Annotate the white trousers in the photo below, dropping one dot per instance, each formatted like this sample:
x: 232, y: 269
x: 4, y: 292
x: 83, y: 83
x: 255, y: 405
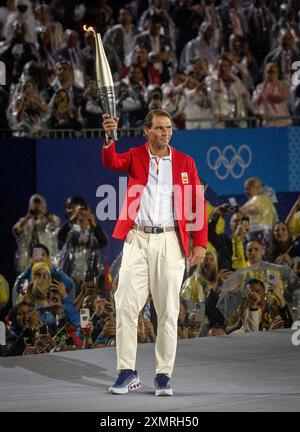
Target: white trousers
x: 151, y: 263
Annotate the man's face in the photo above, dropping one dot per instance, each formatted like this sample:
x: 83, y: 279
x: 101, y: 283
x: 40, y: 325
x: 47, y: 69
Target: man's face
x: 224, y: 67
x: 154, y: 28
x: 40, y: 255
x: 63, y: 71
x: 250, y: 190
x: 254, y: 252
x: 160, y: 132
x: 135, y: 75
x: 125, y: 17
x: 258, y: 290
x: 22, y: 312
x: 141, y: 55
x: 209, y: 262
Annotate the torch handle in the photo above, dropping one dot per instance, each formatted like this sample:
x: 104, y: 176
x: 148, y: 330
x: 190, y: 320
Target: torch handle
x: 107, y: 97
x: 113, y: 135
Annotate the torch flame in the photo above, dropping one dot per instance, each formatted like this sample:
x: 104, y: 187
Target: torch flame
x: 89, y: 29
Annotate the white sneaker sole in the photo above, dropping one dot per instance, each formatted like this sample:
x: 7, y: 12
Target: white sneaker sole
x: 163, y: 392
x: 135, y: 385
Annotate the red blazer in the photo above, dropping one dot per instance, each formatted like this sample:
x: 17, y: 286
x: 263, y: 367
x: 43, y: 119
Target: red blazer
x: 187, y: 189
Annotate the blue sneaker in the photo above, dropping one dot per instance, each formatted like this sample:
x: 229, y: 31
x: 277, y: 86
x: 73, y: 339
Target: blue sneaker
x: 162, y: 385
x: 127, y: 380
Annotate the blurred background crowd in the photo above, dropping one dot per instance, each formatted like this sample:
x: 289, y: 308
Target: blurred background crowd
x: 209, y: 63
x: 63, y: 296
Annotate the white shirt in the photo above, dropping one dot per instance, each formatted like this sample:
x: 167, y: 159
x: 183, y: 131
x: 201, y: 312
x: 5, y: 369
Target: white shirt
x: 156, y: 207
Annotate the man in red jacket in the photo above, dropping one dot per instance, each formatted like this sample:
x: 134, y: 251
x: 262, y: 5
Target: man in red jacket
x: 163, y: 221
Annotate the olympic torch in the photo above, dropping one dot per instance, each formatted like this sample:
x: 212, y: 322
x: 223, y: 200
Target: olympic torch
x: 104, y: 79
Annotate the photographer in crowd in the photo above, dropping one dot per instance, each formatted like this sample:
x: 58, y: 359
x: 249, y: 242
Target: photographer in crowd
x: 80, y: 256
x: 221, y: 241
x: 27, y: 111
x: 264, y: 308
x: 259, y: 208
x: 37, y: 226
x: 39, y: 253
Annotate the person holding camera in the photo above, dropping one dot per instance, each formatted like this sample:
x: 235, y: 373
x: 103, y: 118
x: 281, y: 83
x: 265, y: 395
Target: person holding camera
x: 198, y: 111
x: 39, y: 253
x: 27, y: 111
x: 156, y: 226
x: 80, y: 256
x: 50, y: 298
x: 259, y: 208
x: 73, y: 206
x: 263, y: 308
x: 62, y: 115
x: 222, y: 242
x: 37, y: 226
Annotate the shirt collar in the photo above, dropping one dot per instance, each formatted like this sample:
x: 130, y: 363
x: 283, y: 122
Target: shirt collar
x: 169, y: 156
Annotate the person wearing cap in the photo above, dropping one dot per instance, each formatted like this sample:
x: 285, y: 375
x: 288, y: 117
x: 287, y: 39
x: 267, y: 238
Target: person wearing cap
x: 164, y: 209
x: 38, y: 293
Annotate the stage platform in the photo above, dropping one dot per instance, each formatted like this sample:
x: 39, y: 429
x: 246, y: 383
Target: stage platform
x: 251, y: 372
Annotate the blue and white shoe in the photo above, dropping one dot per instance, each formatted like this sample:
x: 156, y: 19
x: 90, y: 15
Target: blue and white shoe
x: 162, y: 385
x: 127, y: 380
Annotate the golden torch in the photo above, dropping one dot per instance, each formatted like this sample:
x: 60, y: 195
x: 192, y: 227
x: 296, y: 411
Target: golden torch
x: 104, y: 79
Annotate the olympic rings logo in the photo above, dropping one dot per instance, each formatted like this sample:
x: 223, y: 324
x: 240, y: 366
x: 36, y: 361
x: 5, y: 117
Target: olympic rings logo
x: 229, y: 162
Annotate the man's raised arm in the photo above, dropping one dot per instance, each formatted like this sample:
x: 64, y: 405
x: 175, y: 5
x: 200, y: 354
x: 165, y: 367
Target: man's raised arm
x: 111, y: 159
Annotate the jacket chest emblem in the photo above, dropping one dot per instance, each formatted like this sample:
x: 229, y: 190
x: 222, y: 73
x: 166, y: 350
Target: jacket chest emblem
x: 184, y: 177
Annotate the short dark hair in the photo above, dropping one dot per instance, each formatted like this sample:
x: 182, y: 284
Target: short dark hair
x: 41, y: 246
x: 255, y: 281
x: 158, y: 113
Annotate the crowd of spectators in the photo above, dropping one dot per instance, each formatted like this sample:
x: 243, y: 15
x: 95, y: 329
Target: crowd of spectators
x: 63, y: 296
x: 223, y: 63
